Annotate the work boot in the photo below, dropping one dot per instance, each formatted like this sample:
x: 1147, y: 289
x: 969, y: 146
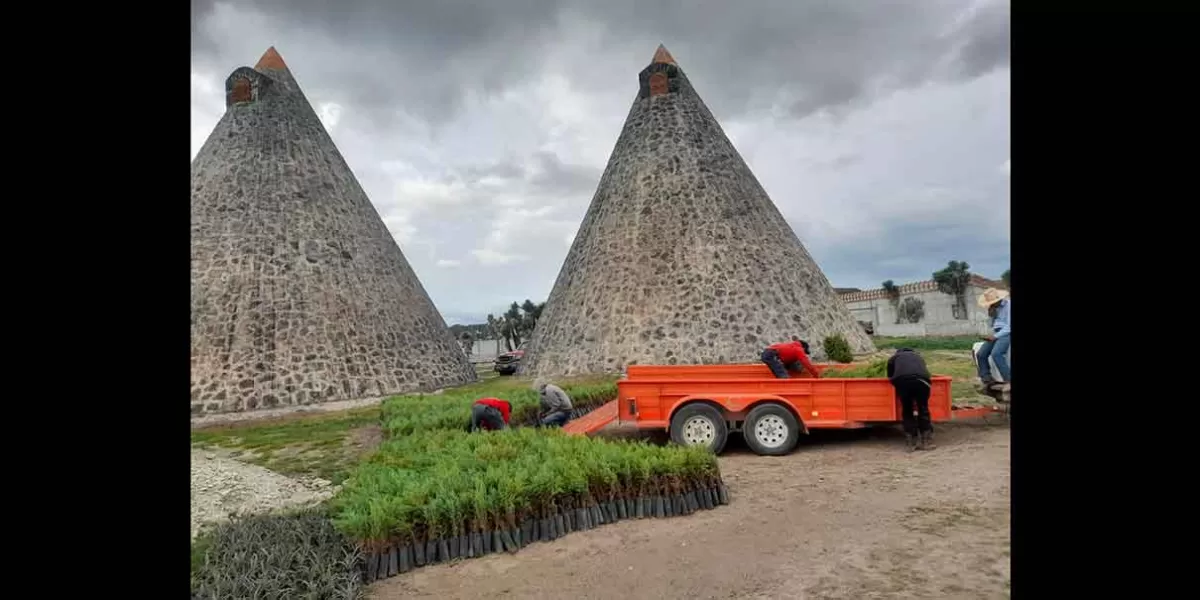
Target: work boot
x: 911, y: 441
x: 927, y: 441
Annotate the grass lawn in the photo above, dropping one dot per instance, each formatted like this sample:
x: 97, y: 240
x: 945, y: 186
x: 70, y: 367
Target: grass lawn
x: 922, y: 344
x: 321, y: 445
x: 957, y: 364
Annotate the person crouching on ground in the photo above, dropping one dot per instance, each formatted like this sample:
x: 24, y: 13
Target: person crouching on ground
x: 491, y: 414
x: 556, y: 404
x: 910, y: 376
x: 996, y: 345
x: 786, y: 356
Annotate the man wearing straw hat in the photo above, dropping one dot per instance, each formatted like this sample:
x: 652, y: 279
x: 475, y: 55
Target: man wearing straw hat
x: 996, y: 345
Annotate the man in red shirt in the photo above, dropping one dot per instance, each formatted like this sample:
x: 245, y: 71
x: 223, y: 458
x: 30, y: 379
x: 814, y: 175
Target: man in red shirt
x: 789, y: 355
x: 490, y: 413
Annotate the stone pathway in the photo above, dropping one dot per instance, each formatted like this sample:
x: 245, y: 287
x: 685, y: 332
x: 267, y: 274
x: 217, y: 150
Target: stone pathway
x: 222, y: 486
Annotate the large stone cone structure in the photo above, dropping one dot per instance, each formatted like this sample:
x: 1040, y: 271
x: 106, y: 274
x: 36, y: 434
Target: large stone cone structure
x: 681, y: 257
x: 299, y: 292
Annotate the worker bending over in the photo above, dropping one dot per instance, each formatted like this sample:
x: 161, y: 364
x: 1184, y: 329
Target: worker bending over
x: 786, y: 356
x: 556, y: 404
x: 491, y: 414
x: 909, y: 375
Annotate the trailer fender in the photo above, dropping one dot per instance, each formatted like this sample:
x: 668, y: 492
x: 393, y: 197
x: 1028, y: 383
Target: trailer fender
x: 686, y: 400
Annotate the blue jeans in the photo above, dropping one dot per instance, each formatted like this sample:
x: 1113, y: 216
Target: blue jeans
x: 485, y: 417
x: 556, y: 420
x: 996, y: 350
x: 771, y: 358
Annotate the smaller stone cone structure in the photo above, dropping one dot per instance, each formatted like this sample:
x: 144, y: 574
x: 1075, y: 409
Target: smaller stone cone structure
x: 299, y: 292
x: 681, y: 258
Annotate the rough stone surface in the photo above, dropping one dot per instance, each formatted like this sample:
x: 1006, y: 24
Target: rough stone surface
x: 681, y: 258
x: 223, y: 486
x: 299, y: 292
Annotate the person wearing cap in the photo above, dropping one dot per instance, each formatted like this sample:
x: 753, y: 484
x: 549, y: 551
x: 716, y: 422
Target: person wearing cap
x: 556, y: 404
x: 997, y: 343
x: 785, y: 356
x: 490, y: 414
x: 909, y: 374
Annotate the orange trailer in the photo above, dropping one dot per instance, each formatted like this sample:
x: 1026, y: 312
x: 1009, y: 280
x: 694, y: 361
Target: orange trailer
x: 702, y: 404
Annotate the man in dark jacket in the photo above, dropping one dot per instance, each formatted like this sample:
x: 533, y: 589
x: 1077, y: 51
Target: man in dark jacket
x: 909, y: 375
x: 491, y: 414
x: 786, y: 356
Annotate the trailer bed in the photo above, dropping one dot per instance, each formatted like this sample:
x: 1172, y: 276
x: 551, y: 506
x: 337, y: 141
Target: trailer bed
x: 652, y: 396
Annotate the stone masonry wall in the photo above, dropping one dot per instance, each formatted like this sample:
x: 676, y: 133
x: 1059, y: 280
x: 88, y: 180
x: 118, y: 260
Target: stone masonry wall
x: 681, y: 258
x: 299, y: 292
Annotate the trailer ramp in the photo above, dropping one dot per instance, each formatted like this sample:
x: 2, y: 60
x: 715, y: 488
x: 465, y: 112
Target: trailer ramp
x: 971, y: 412
x: 593, y: 421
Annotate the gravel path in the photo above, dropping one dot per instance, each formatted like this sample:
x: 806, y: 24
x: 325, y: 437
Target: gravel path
x: 222, y: 486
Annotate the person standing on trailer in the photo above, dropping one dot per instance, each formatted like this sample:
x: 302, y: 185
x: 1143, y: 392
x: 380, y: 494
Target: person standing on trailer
x: 785, y: 356
x: 996, y: 345
x: 556, y: 404
x: 490, y: 414
x: 910, y: 376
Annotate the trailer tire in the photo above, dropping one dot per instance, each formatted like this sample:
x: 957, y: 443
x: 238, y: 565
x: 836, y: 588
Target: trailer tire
x: 700, y: 424
x: 771, y: 430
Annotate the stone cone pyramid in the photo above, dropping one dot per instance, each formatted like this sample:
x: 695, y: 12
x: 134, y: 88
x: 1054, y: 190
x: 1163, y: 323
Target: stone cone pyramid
x: 681, y: 258
x: 299, y: 292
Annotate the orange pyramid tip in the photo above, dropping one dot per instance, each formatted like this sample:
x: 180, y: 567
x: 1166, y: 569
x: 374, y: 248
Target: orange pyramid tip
x: 271, y: 60
x: 662, y: 56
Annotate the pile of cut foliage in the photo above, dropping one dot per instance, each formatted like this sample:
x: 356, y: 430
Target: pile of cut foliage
x: 296, y: 555
x: 875, y: 368
x: 437, y: 496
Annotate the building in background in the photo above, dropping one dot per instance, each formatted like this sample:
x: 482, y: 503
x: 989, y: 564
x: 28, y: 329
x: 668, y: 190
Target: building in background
x: 919, y: 309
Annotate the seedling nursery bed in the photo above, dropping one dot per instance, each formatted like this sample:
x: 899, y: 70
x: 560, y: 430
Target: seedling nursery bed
x: 483, y: 493
x: 434, y: 493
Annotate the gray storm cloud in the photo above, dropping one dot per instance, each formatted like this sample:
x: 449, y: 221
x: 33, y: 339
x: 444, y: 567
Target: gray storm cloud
x: 842, y: 109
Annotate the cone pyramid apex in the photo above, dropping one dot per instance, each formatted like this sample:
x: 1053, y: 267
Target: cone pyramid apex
x: 662, y: 56
x: 271, y: 60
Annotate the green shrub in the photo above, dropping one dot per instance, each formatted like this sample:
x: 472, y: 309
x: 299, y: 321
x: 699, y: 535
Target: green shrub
x: 440, y: 495
x: 838, y: 349
x: 297, y: 555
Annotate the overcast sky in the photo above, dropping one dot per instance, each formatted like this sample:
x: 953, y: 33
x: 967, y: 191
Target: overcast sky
x: 480, y: 128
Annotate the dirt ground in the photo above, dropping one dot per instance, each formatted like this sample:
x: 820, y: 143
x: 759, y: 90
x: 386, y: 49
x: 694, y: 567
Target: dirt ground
x: 847, y: 515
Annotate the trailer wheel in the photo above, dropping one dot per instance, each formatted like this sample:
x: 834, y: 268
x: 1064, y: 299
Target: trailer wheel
x: 771, y: 430
x: 700, y: 424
